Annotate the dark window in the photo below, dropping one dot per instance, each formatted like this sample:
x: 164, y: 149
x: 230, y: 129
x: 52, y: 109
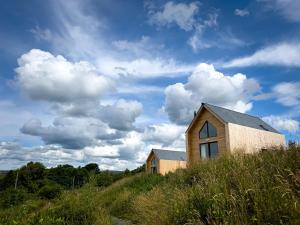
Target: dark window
x: 209, y: 150
x: 153, y: 162
x: 207, y: 130
x: 204, y: 151
x: 212, y: 131
x: 153, y: 165
x: 153, y: 170
x: 204, y: 131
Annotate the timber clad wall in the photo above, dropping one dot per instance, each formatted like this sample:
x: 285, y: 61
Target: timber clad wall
x: 251, y: 140
x: 166, y: 166
x: 231, y: 137
x: 193, y: 140
x: 233, y: 132
x: 148, y: 163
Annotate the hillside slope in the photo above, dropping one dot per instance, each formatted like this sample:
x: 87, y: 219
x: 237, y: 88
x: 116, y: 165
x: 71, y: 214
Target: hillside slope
x: 242, y: 189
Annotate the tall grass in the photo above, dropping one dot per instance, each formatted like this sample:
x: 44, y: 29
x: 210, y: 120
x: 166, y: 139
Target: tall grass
x: 253, y: 189
x: 241, y: 189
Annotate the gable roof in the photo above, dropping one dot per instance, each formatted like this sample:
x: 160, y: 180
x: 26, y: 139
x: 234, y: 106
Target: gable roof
x: 230, y: 116
x: 169, y: 155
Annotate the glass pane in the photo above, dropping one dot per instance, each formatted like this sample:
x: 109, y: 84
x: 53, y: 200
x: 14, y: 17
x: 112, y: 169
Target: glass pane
x: 153, y: 162
x: 212, y: 131
x: 203, y: 131
x: 213, y: 147
x: 204, y: 151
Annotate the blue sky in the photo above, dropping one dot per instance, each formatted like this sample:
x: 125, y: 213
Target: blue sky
x: 105, y: 81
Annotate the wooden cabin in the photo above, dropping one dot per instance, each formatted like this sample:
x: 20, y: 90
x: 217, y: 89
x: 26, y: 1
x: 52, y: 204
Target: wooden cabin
x: 216, y: 130
x: 164, y: 161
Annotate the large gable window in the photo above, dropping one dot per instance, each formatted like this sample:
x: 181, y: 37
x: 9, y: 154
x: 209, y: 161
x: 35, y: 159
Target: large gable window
x: 207, y: 130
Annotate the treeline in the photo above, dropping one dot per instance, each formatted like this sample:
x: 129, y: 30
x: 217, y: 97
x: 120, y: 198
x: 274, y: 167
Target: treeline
x: 34, y: 180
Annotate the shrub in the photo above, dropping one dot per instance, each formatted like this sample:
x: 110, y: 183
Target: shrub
x: 104, y: 179
x: 12, y: 197
x: 50, y: 191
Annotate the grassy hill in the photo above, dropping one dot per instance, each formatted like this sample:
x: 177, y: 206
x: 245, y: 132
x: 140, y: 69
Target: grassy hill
x: 241, y: 189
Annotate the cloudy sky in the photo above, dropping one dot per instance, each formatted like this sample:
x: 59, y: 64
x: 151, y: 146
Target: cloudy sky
x: 106, y: 81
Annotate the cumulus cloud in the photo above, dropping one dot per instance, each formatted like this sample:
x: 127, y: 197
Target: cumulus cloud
x: 283, y: 123
x: 282, y: 54
x: 165, y: 134
x: 208, y: 85
x: 241, y: 12
x: 289, y: 9
x: 287, y: 93
x: 71, y: 133
x: 43, y: 76
x: 181, y: 14
x: 13, y: 154
x: 121, y: 115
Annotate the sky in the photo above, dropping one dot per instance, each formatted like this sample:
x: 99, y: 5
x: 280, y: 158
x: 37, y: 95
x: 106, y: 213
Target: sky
x: 106, y: 81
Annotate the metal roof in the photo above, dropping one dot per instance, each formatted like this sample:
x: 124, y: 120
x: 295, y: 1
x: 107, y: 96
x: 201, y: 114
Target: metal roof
x: 169, y: 155
x: 230, y: 116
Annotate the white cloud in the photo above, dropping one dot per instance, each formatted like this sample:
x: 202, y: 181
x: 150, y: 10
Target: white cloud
x: 43, y: 76
x: 241, y: 12
x: 82, y: 37
x: 121, y: 115
x: 283, y: 123
x: 143, y: 68
x: 289, y: 9
x: 41, y: 34
x: 197, y: 41
x: 70, y: 132
x: 165, y: 134
x: 13, y: 155
x: 208, y: 85
x: 181, y: 14
x: 282, y: 54
x: 287, y: 93
x: 141, y: 48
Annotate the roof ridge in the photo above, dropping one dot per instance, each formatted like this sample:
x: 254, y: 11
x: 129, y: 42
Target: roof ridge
x: 166, y: 150
x: 232, y: 110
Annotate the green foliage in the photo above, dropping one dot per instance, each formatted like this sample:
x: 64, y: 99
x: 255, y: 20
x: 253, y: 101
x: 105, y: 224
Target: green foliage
x: 31, y: 176
x: 242, y: 189
x: 68, y: 176
x: 255, y: 189
x: 50, y: 191
x: 140, y: 169
x: 92, y: 167
x: 104, y: 179
x: 118, y: 198
x: 11, y: 197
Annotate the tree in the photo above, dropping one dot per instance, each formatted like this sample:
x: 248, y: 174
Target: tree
x: 104, y: 179
x: 31, y: 176
x: 92, y: 167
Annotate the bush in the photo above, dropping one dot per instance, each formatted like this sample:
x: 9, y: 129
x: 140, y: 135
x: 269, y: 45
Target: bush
x: 50, y: 191
x: 104, y: 179
x: 12, y: 197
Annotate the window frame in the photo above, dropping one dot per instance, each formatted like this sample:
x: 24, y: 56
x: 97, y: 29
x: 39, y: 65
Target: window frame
x: 207, y: 129
x: 209, y: 151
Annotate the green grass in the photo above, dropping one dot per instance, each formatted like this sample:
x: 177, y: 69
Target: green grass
x: 241, y: 189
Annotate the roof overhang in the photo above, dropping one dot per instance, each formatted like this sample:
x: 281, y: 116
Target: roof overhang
x: 151, y: 152
x: 202, y: 107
